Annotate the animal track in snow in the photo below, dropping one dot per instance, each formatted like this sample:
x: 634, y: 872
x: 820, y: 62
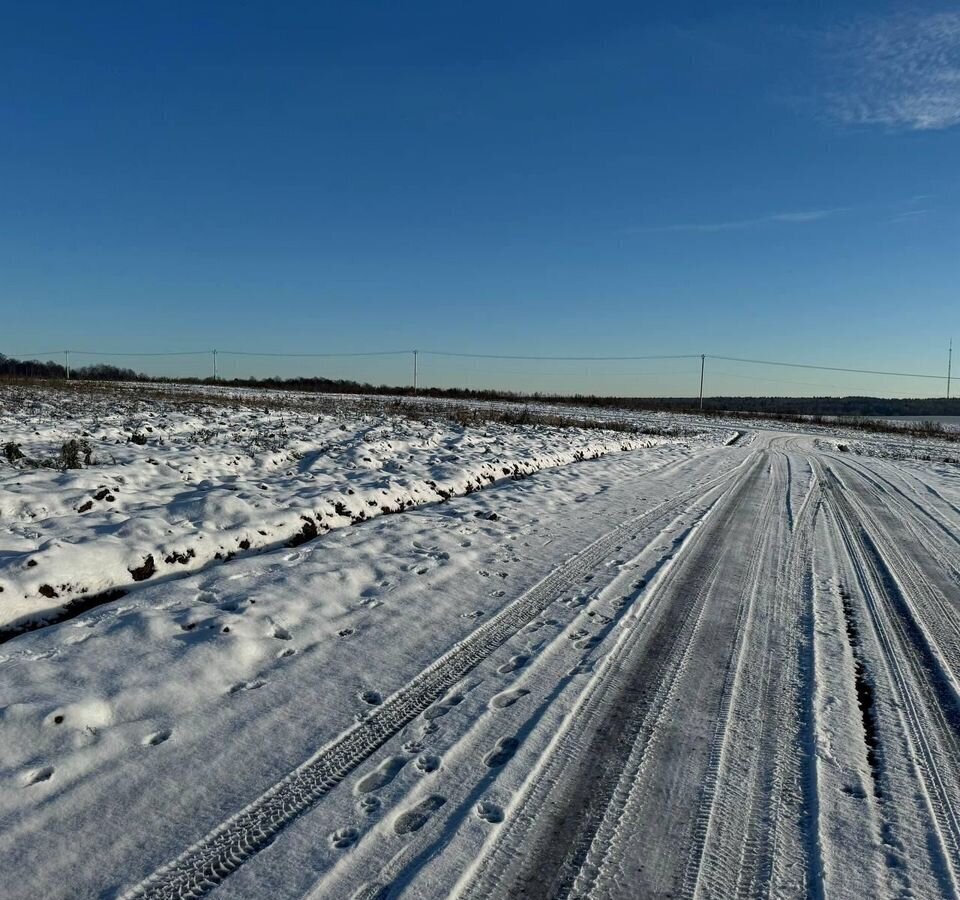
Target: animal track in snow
x: 343, y: 838
x: 489, y: 812
x: 413, y: 747
x: 599, y: 617
x: 427, y: 763
x: 281, y: 633
x: 372, y: 698
x: 368, y: 804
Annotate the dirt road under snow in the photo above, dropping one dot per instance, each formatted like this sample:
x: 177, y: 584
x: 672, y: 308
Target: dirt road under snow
x: 723, y: 672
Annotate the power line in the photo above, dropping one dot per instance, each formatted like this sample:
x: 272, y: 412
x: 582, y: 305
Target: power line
x: 767, y: 362
x: 314, y: 355
x: 167, y: 353
x: 557, y: 358
x: 490, y: 356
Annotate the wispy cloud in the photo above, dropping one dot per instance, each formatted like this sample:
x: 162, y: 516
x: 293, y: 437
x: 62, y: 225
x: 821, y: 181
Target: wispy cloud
x: 900, y: 72
x: 910, y: 215
x: 781, y: 218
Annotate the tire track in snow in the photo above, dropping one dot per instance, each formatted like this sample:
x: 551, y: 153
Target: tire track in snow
x: 208, y: 862
x: 604, y: 871
x: 914, y: 674
x: 935, y: 620
x: 942, y: 539
x: 580, y: 781
x: 462, y: 789
x: 738, y: 839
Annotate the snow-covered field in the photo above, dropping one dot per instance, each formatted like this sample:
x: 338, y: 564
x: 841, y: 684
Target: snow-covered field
x: 682, y: 668
x: 171, y: 481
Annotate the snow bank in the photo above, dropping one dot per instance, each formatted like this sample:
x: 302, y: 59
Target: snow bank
x: 174, y: 481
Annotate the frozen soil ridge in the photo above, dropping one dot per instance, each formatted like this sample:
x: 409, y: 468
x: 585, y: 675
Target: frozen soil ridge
x: 174, y: 487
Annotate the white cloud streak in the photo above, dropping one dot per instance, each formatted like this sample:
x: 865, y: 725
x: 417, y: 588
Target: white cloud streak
x: 781, y: 218
x: 901, y: 72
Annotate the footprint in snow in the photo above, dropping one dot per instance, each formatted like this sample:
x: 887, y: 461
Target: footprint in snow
x: 246, y: 686
x: 507, y: 698
x: 281, y: 633
x: 158, y: 737
x: 501, y: 753
x: 514, y: 663
x: 285, y: 652
x: 417, y: 816
x: 372, y: 698
x: 442, y: 708
x: 413, y: 747
x: 382, y: 775
x: 36, y: 776
x: 234, y: 605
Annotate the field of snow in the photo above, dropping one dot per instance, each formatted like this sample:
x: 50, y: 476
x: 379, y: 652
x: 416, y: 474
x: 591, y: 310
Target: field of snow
x: 665, y: 665
x: 172, y: 481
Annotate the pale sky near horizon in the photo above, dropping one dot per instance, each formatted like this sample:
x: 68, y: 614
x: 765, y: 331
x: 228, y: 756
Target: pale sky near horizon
x: 773, y: 181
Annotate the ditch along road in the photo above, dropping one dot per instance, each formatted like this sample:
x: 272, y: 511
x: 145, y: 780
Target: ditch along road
x: 749, y: 689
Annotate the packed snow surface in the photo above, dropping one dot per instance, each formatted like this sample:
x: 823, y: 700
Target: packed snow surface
x: 686, y: 667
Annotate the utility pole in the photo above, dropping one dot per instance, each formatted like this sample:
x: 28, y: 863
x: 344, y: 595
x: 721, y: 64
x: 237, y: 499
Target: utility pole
x: 703, y: 357
x: 949, y: 366
x: 66, y: 362
x: 214, y: 365
x: 416, y: 353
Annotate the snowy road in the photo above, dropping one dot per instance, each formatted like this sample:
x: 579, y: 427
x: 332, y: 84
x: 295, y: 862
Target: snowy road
x: 705, y: 672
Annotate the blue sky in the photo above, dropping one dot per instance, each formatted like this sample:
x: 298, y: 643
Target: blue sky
x: 779, y: 181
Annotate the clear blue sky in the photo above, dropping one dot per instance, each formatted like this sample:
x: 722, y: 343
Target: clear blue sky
x: 763, y: 180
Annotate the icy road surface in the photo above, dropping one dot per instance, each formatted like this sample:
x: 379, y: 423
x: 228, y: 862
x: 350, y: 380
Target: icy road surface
x: 689, y: 672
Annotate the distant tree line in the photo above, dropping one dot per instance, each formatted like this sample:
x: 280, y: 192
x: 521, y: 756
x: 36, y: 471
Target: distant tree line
x: 773, y: 407
x: 32, y: 368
